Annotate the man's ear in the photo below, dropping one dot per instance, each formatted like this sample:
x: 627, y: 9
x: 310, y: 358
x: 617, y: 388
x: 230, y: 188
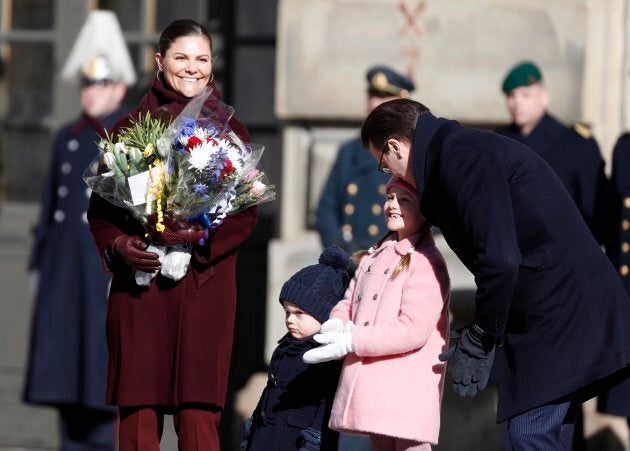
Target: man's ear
x: 394, y: 146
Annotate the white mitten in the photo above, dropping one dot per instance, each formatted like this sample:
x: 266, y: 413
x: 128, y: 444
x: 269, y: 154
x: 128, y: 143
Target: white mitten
x: 336, y: 345
x: 332, y: 325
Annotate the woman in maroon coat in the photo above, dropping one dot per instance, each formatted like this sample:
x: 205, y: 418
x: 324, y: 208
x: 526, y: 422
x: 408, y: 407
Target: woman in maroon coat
x: 170, y: 343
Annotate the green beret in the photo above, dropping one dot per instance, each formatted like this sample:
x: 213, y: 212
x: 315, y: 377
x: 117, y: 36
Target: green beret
x: 523, y: 74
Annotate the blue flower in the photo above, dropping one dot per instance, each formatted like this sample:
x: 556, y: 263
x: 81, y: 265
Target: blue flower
x: 200, y: 189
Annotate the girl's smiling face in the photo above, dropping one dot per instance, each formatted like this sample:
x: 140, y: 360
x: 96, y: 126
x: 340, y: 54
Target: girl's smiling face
x: 299, y: 323
x: 187, y: 64
x: 402, y: 212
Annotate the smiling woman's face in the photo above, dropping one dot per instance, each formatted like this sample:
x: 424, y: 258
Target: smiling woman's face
x: 187, y: 64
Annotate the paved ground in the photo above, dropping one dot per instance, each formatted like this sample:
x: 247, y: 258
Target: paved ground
x: 467, y: 424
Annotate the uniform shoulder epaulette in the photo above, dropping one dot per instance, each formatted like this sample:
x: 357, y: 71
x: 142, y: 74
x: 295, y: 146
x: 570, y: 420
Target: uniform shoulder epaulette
x: 583, y: 130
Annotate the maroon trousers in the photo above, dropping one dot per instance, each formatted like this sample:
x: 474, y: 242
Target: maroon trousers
x: 196, y: 427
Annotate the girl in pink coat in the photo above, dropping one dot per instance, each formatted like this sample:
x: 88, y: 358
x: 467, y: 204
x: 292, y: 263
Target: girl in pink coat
x: 390, y: 326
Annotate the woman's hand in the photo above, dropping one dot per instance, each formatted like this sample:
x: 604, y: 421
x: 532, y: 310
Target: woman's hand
x: 176, y: 231
x: 132, y: 250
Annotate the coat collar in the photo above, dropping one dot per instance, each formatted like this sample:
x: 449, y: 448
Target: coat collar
x: 426, y: 149
x: 402, y: 247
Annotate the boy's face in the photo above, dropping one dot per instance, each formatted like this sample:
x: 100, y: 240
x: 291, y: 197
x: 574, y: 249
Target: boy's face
x: 299, y: 323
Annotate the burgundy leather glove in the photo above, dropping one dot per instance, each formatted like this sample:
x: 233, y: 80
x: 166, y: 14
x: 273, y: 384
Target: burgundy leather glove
x: 177, y: 231
x: 131, y: 249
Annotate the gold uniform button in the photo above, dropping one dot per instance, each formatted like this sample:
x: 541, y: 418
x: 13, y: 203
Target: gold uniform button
x: 373, y: 230
x: 377, y: 210
x: 625, y: 224
x: 346, y: 228
x: 381, y: 189
x: 626, y: 202
x: 624, y: 270
x: 352, y: 189
x: 625, y: 247
x: 348, y: 209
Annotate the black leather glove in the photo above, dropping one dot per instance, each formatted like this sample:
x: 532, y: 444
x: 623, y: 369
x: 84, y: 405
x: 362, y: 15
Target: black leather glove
x: 131, y: 249
x: 470, y: 360
x: 311, y: 440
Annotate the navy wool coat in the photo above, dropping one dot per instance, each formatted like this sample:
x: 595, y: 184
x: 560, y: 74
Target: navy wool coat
x: 617, y: 400
x: 350, y: 209
x: 298, y: 396
x: 577, y: 161
x: 68, y: 356
x: 543, y: 284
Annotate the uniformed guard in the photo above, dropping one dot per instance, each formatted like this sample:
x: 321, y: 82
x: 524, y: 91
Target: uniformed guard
x: 350, y: 212
x: 571, y: 151
x: 617, y: 400
x: 68, y: 356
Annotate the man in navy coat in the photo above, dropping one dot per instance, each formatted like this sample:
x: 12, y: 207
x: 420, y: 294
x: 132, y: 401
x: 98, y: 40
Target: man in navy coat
x: 570, y: 151
x: 545, y: 290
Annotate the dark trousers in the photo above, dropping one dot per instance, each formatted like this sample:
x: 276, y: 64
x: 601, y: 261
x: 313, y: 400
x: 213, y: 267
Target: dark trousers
x: 196, y: 427
x: 548, y: 427
x: 84, y: 429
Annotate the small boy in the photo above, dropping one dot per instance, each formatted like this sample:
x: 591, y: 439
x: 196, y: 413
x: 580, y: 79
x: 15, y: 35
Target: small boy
x: 294, y: 408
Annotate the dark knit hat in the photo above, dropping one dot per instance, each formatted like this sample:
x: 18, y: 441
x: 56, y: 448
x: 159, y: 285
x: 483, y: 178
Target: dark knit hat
x: 316, y: 289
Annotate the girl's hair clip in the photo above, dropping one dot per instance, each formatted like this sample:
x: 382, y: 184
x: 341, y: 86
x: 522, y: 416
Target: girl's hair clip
x: 371, y: 250
x: 411, y: 250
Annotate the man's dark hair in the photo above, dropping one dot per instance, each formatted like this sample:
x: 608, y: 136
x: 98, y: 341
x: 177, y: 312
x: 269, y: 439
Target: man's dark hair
x: 393, y: 119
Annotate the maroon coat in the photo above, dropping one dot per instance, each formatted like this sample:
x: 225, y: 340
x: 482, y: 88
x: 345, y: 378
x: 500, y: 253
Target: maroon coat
x: 170, y: 343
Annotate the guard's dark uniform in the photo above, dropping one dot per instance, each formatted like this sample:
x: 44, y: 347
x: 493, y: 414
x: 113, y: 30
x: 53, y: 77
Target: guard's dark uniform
x: 617, y: 400
x: 67, y: 364
x: 575, y: 157
x: 543, y: 283
x: 350, y: 211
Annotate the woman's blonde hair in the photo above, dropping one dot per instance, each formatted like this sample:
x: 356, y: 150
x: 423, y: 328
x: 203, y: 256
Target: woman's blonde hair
x: 403, y: 264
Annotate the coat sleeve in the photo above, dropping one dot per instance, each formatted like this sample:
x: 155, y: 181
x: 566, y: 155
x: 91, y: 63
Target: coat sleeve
x: 225, y: 238
x: 47, y: 206
x: 343, y: 309
x: 479, y: 186
x: 328, y: 214
x: 594, y: 190
x: 421, y: 305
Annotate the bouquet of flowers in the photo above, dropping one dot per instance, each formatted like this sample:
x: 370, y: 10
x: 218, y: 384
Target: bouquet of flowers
x: 193, y: 170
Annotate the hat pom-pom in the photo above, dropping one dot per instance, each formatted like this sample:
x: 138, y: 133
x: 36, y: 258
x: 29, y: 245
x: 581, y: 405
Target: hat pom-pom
x: 335, y: 257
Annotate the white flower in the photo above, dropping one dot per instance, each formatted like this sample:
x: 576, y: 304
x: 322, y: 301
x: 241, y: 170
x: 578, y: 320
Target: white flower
x: 119, y: 148
x: 163, y: 147
x: 258, y: 188
x: 110, y: 160
x: 235, y: 156
x: 200, y: 156
x: 183, y: 140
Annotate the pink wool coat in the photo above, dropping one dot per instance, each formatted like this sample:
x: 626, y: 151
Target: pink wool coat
x: 392, y: 384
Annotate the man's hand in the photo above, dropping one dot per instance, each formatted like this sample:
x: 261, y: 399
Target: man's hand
x: 337, y: 345
x: 132, y: 250
x: 470, y: 361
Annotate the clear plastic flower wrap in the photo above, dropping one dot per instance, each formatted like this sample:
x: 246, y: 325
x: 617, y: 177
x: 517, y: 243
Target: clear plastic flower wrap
x: 189, y: 171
